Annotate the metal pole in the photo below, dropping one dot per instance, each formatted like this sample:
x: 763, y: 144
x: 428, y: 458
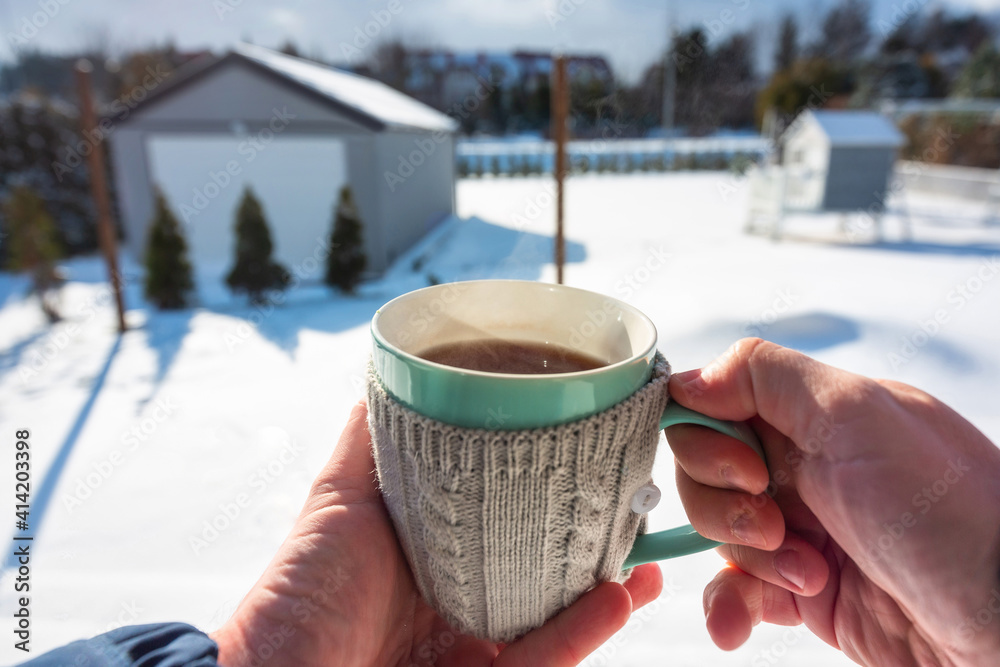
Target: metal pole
x: 99, y: 188
x: 560, y: 111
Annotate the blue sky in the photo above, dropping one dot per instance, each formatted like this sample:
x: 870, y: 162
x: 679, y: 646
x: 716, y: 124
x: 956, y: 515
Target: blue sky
x: 629, y: 32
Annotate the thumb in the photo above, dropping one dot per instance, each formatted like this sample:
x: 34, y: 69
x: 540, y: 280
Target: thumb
x: 349, y: 474
x: 787, y: 389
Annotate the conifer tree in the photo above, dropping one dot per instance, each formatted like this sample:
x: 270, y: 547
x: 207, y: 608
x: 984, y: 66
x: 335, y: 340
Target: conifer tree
x: 254, y: 271
x: 981, y: 75
x: 347, y: 259
x: 33, y: 245
x: 168, y: 271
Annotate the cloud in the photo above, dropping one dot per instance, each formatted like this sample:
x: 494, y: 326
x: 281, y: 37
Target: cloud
x: 979, y: 5
x: 287, y: 19
x: 523, y: 14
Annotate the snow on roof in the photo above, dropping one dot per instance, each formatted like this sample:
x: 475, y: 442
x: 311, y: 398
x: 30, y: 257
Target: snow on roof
x: 370, y: 97
x: 858, y: 128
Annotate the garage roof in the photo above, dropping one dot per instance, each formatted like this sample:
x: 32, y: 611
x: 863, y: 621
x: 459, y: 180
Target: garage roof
x: 370, y: 102
x: 369, y: 97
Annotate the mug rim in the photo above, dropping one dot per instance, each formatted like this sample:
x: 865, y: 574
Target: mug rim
x: 420, y: 361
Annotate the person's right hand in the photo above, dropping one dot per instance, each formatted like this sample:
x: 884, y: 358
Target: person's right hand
x: 876, y: 521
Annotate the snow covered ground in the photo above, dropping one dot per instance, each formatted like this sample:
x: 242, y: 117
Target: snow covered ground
x: 138, y: 446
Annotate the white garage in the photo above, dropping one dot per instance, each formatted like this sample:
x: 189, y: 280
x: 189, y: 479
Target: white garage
x: 295, y: 132
x: 296, y: 178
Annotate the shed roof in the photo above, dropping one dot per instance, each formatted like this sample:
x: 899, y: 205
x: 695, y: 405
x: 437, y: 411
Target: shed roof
x: 858, y: 128
x: 369, y: 97
x: 368, y: 101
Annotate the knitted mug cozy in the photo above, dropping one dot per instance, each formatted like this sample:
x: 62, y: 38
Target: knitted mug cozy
x: 504, y: 529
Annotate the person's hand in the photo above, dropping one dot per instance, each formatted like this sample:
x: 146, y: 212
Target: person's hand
x: 876, y: 521
x: 339, y: 591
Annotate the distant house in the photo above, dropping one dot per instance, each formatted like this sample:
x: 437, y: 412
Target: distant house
x: 833, y: 162
x: 516, y: 84
x: 296, y: 132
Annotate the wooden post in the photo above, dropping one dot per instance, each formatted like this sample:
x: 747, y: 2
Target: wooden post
x: 560, y: 112
x: 98, y: 186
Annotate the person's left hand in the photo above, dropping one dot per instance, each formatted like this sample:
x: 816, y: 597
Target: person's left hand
x: 340, y: 592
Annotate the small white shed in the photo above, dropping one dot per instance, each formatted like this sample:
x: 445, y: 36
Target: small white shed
x: 833, y: 162
x: 296, y: 132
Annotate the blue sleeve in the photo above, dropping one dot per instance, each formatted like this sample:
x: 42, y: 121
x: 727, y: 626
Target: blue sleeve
x: 153, y: 645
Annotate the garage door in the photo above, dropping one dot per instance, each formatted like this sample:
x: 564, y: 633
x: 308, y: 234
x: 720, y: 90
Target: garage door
x: 296, y: 179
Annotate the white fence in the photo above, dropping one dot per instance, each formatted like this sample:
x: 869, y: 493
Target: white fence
x: 477, y: 157
x: 963, y: 182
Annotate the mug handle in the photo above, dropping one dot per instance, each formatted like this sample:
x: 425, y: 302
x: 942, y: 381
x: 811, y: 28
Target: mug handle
x: 685, y: 540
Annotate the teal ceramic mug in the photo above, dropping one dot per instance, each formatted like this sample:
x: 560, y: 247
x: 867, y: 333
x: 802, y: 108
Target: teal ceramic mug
x: 611, y: 331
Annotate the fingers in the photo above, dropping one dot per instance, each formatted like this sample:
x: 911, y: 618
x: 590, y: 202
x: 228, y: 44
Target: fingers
x: 796, y: 565
x: 465, y: 652
x: 350, y: 472
x: 645, y: 584
x: 735, y: 602
x: 731, y: 516
x: 575, y: 633
x: 786, y: 388
x: 714, y: 459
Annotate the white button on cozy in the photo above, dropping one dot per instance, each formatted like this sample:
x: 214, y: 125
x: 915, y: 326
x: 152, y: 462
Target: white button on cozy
x: 645, y: 499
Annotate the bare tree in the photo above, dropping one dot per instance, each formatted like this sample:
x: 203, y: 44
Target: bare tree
x: 290, y: 48
x: 942, y: 32
x: 846, y: 31
x: 788, y: 43
x: 389, y: 63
